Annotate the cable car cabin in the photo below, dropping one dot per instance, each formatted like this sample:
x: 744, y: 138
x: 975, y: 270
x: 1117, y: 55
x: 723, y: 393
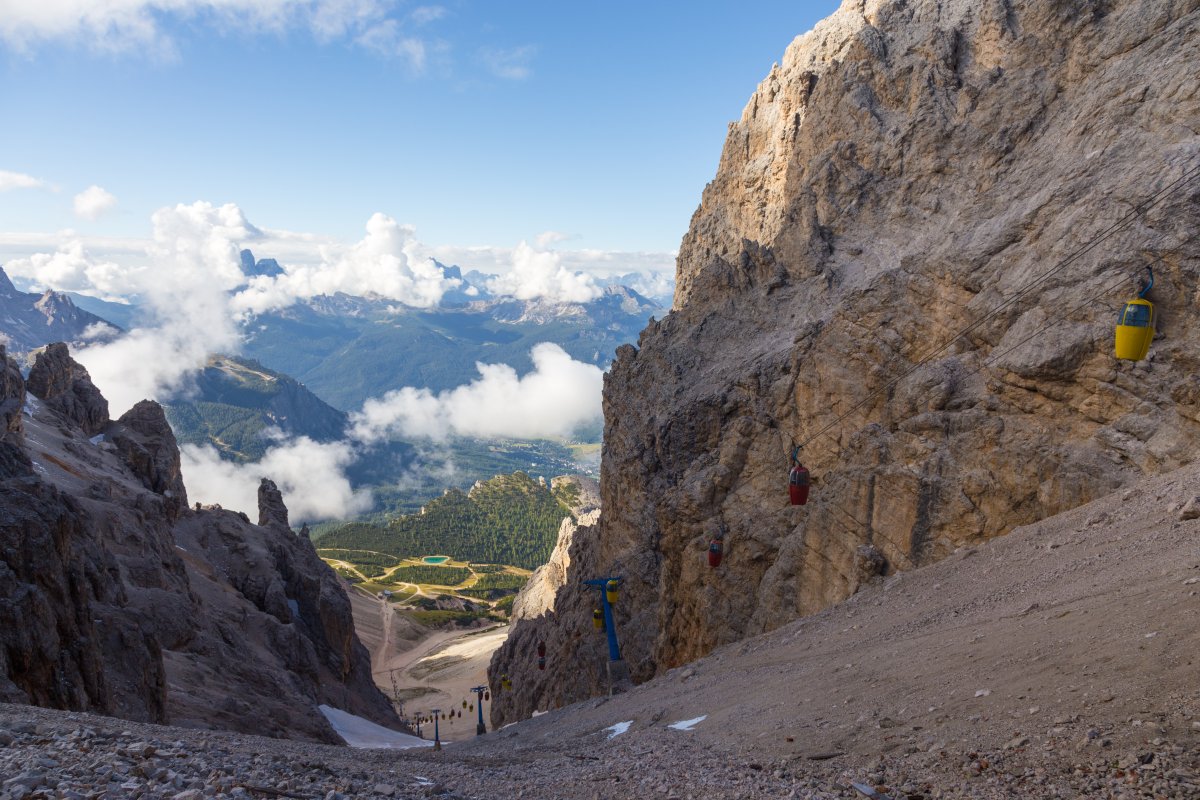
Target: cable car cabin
x: 798, y: 483
x: 715, y: 552
x: 1135, y: 330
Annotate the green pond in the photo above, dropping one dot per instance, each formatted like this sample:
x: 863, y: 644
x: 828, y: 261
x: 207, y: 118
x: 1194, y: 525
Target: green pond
x: 435, y: 559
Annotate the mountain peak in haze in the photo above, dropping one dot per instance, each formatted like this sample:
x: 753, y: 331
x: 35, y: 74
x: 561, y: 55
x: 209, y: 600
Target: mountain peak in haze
x: 30, y: 320
x: 266, y: 267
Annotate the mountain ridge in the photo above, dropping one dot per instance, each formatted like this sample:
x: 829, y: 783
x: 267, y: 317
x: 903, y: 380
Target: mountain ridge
x: 122, y: 599
x: 29, y: 320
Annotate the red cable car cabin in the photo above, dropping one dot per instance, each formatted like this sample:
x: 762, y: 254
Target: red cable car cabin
x: 798, y: 482
x: 715, y: 553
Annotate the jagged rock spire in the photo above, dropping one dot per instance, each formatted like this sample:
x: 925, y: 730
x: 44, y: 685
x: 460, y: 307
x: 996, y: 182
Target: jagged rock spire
x: 64, y: 384
x: 271, y: 510
x: 144, y: 438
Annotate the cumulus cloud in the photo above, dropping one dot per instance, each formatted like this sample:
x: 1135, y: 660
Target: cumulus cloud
x: 94, y: 201
x: 195, y: 255
x: 387, y: 262
x: 606, y: 263
x: 540, y: 274
x: 72, y: 268
x: 547, y: 238
x: 310, y: 475
x: 18, y: 180
x: 556, y: 398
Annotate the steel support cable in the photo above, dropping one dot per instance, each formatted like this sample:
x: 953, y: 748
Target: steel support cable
x: 1123, y: 222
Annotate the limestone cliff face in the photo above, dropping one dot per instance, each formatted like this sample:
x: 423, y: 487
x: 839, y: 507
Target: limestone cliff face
x: 908, y: 170
x: 116, y: 597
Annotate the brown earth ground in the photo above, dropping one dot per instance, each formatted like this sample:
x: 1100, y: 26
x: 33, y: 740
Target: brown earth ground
x: 427, y: 669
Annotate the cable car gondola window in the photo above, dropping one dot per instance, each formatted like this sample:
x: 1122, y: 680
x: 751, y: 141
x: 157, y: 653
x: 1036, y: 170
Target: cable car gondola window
x: 1136, y: 315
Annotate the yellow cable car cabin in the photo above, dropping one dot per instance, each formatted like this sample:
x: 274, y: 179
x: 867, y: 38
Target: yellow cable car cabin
x: 1135, y: 328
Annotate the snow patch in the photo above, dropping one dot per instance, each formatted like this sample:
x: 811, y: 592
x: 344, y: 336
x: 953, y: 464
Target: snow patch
x: 32, y: 406
x: 688, y: 724
x: 539, y: 713
x: 295, y: 607
x: 618, y: 729
x: 97, y: 439
x: 359, y: 732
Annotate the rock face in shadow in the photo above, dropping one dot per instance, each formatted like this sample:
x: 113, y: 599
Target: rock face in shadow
x: 64, y: 385
x: 144, y: 439
x: 116, y: 597
x: 909, y: 171
x: 12, y: 396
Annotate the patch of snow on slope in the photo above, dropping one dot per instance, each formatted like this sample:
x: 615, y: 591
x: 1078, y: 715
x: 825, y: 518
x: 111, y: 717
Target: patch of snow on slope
x: 618, y: 729
x: 359, y: 732
x: 688, y: 724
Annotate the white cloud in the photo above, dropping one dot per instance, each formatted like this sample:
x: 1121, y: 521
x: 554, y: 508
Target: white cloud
x: 310, y: 475
x: 651, y: 284
x: 490, y: 259
x: 195, y: 264
x: 388, y: 39
x: 297, y: 250
x: 144, y: 25
x: 72, y: 268
x: 18, y: 180
x: 93, y: 202
x: 546, y: 238
x: 333, y: 19
x: 387, y: 262
x: 511, y: 64
x: 556, y: 398
x: 147, y: 27
x: 540, y: 274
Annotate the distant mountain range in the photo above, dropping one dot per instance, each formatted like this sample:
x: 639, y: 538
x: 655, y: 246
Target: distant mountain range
x: 347, y: 348
x: 29, y: 320
x: 303, y: 368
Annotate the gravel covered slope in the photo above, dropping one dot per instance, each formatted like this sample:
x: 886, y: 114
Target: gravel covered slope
x: 1054, y: 662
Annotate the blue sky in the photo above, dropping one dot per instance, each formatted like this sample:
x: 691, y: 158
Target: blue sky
x: 145, y: 142
x: 479, y: 124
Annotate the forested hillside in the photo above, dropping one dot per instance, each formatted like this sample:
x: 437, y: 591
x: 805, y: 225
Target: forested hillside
x: 237, y: 400
x: 510, y: 519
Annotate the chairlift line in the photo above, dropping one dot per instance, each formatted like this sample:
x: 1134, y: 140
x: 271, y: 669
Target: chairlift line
x: 1138, y: 210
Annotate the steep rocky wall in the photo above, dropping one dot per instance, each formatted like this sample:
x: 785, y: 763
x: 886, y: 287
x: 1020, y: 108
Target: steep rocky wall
x: 910, y: 168
x: 117, y: 597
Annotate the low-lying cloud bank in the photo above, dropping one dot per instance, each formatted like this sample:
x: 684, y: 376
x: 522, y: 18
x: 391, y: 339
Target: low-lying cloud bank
x: 559, y: 396
x: 192, y: 285
x: 311, y: 476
